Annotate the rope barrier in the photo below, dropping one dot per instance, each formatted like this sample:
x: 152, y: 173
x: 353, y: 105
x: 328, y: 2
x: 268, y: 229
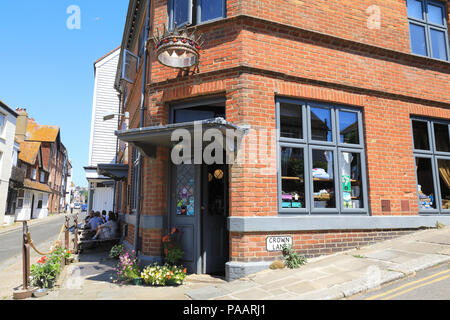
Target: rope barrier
x: 54, y: 244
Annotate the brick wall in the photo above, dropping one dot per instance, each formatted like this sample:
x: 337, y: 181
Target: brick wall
x: 315, y: 50
x: 251, y: 247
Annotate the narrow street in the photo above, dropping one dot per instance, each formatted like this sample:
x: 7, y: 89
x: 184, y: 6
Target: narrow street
x: 11, y: 241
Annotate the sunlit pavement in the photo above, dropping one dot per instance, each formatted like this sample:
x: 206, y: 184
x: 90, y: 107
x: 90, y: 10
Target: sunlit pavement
x: 430, y: 284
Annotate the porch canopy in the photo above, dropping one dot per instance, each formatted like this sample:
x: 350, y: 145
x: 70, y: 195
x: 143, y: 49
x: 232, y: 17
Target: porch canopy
x: 146, y: 140
x: 114, y: 171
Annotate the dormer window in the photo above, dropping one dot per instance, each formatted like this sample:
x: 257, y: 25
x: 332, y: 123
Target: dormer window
x: 194, y: 12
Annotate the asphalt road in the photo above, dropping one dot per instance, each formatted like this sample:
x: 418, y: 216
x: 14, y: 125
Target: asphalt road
x: 430, y: 284
x: 11, y: 241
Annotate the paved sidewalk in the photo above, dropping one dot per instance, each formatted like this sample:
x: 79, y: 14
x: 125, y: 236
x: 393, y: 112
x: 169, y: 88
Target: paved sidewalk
x: 330, y: 277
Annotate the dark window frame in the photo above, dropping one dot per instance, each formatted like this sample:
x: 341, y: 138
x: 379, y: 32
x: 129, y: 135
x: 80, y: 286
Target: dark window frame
x: 427, y: 25
x: 194, y: 17
x: 434, y: 156
x: 308, y: 144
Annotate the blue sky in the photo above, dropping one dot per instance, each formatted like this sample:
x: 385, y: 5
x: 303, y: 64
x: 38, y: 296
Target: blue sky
x: 48, y: 68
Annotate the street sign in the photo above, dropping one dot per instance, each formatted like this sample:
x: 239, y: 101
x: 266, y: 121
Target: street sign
x: 276, y: 243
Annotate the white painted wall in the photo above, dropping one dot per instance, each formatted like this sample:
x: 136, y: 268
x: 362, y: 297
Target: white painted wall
x: 24, y: 213
x: 7, y: 133
x: 106, y: 100
x: 103, y: 199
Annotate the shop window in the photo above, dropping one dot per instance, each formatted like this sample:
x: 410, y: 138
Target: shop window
x: 321, y: 158
x: 191, y: 12
x: 428, y: 28
x: 432, y: 165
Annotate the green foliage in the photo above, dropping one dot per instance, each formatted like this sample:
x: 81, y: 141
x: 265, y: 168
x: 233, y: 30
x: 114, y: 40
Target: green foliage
x: 172, y: 247
x: 116, y: 251
x: 439, y: 225
x: 165, y: 275
x: 292, y: 259
x: 46, y: 270
x: 127, y: 269
x: 359, y: 256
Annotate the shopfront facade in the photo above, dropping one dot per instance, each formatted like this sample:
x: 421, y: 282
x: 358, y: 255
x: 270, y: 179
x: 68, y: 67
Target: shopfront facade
x: 346, y: 134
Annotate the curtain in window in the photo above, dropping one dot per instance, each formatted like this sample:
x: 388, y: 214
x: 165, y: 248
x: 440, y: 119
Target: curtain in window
x: 444, y: 171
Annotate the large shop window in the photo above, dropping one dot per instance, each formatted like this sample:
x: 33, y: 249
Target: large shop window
x: 191, y: 12
x: 321, y: 159
x: 428, y: 28
x: 432, y: 159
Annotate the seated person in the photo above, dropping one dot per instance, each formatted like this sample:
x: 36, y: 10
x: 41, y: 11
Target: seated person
x: 92, y: 226
x: 88, y: 218
x: 104, y: 217
x: 109, y: 230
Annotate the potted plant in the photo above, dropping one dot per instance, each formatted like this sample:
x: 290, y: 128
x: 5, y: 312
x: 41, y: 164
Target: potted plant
x: 127, y: 269
x: 172, y: 247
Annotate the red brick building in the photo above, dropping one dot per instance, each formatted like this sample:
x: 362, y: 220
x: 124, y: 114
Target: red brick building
x: 345, y: 106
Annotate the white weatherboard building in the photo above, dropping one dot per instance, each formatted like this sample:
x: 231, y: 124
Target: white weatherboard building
x: 8, y: 154
x: 103, y: 142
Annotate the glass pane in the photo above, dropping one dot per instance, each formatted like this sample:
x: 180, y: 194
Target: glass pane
x: 418, y: 42
x: 425, y: 186
x: 323, y: 178
x: 291, y: 121
x: 441, y: 137
x: 181, y: 11
x: 292, y: 178
x: 420, y: 132
x: 415, y: 9
x: 321, y: 124
x: 438, y: 44
x: 212, y: 9
x: 348, y: 124
x: 352, y: 197
x: 435, y: 14
x: 444, y: 182
x: 185, y: 186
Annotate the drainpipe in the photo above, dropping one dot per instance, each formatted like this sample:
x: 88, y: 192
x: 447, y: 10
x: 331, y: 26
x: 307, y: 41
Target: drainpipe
x: 141, y: 125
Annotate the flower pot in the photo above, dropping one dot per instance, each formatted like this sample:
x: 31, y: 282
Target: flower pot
x: 137, y: 282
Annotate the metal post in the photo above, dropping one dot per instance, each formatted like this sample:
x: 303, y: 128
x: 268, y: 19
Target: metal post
x: 75, y: 240
x: 67, y: 233
x: 26, y: 256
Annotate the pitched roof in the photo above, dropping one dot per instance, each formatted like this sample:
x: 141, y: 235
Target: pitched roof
x: 37, y: 132
x: 29, y: 151
x: 34, y: 185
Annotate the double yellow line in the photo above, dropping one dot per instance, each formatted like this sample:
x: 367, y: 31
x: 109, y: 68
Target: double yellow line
x: 415, y: 285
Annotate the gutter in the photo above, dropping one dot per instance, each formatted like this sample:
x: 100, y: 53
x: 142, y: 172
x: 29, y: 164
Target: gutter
x: 141, y: 125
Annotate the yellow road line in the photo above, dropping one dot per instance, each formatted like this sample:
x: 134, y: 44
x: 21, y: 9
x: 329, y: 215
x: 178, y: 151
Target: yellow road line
x: 416, y: 287
x: 406, y: 285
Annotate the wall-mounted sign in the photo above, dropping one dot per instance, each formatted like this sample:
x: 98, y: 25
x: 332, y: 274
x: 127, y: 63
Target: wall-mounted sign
x: 276, y: 243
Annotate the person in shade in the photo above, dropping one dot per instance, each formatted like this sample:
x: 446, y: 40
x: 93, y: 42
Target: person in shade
x: 109, y: 230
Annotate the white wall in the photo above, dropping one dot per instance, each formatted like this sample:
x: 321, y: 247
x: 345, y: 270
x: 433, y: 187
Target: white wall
x: 106, y: 100
x: 6, y: 156
x: 24, y: 213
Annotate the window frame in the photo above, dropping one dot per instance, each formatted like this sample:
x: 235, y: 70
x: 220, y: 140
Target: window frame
x: 307, y: 144
x: 434, y: 155
x: 2, y: 123
x: 197, y: 6
x: 425, y: 22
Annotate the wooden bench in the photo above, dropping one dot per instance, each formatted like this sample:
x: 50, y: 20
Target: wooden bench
x: 89, y: 244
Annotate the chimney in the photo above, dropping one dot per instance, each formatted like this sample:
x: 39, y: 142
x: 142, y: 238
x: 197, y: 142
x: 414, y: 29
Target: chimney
x: 21, y: 124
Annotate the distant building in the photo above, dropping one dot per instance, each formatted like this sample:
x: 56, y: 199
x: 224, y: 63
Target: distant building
x: 103, y: 142
x: 43, y: 170
x: 8, y: 156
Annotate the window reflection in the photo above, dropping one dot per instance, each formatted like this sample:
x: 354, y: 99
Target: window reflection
x: 352, y: 196
x: 321, y: 124
x: 444, y: 182
x: 348, y: 124
x: 420, y: 133
x: 323, y: 179
x: 291, y: 121
x: 441, y: 137
x: 292, y: 178
x: 425, y: 186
